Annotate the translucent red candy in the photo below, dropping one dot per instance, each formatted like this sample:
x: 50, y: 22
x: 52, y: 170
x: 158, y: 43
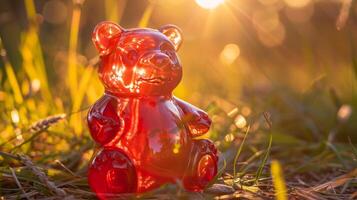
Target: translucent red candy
x: 147, y: 136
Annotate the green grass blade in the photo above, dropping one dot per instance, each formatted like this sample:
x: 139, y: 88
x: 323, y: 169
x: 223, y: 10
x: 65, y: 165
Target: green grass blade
x: 72, y: 51
x: 114, y: 10
x: 238, y: 154
x: 33, y: 42
x: 11, y: 75
x: 77, y: 102
x: 354, y: 149
x: 260, y: 169
x: 144, y: 21
x: 337, y: 153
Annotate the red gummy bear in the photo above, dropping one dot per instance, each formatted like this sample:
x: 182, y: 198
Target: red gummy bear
x: 147, y: 135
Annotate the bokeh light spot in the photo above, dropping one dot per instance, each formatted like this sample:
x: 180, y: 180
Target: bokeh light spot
x: 35, y: 85
x: 233, y: 112
x: 240, y: 121
x: 229, y: 137
x: 246, y: 111
x: 344, y: 112
x: 229, y: 54
x: 15, y: 116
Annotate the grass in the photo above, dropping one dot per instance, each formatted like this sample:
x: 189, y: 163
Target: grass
x: 278, y: 179
x: 280, y: 144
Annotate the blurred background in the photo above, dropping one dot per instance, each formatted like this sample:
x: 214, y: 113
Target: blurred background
x: 294, y: 60
x: 237, y: 51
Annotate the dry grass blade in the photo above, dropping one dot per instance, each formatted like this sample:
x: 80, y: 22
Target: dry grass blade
x: 46, y: 123
x: 18, y: 183
x: 42, y: 176
x: 336, y: 182
x: 220, y: 189
x: 354, y: 195
x: 40, y: 126
x: 268, y: 119
x: 308, y: 195
x: 239, y: 195
x: 8, y: 155
x: 65, y: 168
x: 21, y: 196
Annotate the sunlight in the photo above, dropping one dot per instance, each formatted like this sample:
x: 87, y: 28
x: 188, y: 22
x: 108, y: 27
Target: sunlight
x: 209, y: 4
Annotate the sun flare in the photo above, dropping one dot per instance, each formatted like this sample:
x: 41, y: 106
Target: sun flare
x: 209, y: 4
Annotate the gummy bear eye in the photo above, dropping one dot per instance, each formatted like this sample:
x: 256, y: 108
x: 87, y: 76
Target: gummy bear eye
x: 130, y: 57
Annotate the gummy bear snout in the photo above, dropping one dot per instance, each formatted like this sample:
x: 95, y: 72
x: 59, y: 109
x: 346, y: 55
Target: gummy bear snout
x: 157, y: 60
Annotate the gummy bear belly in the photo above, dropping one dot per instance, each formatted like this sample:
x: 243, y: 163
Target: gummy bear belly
x: 157, y: 138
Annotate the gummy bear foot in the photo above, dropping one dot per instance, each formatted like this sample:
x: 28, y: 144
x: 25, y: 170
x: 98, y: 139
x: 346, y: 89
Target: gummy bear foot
x: 112, y: 172
x: 203, y: 166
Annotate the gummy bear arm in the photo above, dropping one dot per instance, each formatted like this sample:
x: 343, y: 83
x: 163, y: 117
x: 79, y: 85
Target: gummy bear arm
x: 103, y: 121
x: 196, y: 119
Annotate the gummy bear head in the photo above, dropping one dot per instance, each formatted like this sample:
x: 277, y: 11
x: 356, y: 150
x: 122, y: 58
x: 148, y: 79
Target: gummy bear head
x: 138, y: 61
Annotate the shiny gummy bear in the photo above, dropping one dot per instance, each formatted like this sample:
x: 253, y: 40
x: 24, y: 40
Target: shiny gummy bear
x: 147, y: 136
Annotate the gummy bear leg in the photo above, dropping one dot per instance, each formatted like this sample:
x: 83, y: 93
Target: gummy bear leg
x: 202, y: 165
x: 112, y: 172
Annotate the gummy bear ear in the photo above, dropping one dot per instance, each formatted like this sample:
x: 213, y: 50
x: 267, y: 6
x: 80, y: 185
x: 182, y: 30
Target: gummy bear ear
x: 105, y: 35
x: 173, y: 33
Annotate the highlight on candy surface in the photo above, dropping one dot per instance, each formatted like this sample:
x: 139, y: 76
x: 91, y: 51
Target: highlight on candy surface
x: 147, y: 136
